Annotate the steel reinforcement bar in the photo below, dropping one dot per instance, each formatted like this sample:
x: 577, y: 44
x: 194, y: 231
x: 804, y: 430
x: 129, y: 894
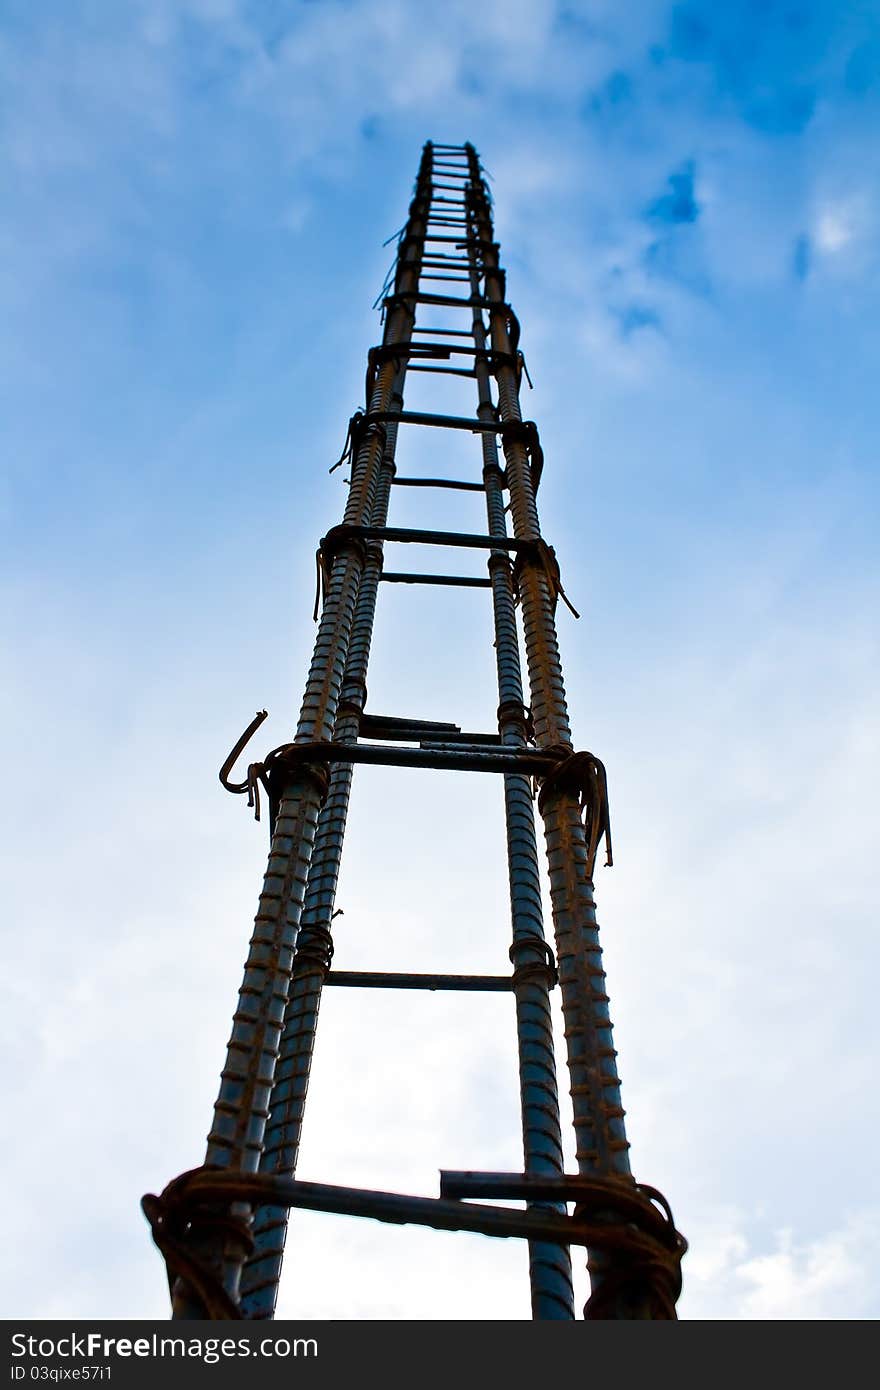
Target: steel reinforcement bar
x: 602, y: 1146
x: 552, y: 1294
x: 314, y: 950
x: 242, y: 1108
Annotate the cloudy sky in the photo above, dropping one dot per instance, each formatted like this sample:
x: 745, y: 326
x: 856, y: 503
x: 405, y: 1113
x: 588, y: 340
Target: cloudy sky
x: 196, y: 193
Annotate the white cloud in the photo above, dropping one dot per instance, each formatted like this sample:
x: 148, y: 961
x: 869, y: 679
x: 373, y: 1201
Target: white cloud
x: 834, y: 229
x: 845, y: 231
x: 725, y: 667
x: 832, y: 1276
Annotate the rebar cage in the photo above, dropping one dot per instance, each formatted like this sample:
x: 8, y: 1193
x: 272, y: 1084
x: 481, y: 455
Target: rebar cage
x: 222, y: 1228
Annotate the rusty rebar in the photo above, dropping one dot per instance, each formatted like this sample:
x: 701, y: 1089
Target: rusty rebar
x: 602, y: 1146
x: 259, y: 1291
x: 242, y: 1107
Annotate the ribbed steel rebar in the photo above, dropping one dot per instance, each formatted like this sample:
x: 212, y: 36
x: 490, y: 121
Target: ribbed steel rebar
x: 549, y: 1264
x: 602, y: 1146
x: 259, y: 1289
x: 242, y: 1106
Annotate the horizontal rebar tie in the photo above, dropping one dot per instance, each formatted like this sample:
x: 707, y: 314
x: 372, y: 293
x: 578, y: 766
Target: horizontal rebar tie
x: 377, y: 979
x: 459, y: 240
x: 449, y: 581
x: 475, y: 301
x: 456, y: 484
x: 535, y: 552
x: 379, y: 725
x: 524, y: 432
x: 433, y: 332
x: 401, y: 730
x: 558, y: 770
x: 341, y: 535
x: 611, y: 1215
x: 435, y: 352
x: 526, y: 762
x: 349, y: 534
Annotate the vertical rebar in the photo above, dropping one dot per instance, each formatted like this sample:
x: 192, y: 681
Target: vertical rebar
x: 242, y: 1106
x: 549, y: 1265
x: 314, y: 949
x: 602, y: 1147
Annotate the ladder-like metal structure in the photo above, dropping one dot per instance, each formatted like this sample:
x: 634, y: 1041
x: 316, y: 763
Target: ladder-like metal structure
x: 222, y: 1228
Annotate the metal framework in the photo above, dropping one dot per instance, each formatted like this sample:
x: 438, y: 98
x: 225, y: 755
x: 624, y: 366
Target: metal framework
x: 222, y: 1228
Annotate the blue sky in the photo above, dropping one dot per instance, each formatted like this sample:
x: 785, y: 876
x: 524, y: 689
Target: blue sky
x: 196, y: 196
